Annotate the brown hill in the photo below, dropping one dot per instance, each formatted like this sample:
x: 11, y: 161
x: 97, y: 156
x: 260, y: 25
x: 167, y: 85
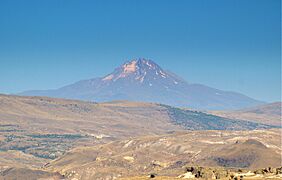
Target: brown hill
x: 47, y: 127
x: 249, y: 154
x: 166, y: 155
x: 49, y: 115
x: 28, y: 174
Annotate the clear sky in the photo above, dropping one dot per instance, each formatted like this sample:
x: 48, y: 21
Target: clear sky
x: 227, y: 44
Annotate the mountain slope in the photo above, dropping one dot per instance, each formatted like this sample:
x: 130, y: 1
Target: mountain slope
x: 267, y: 114
x: 145, y: 81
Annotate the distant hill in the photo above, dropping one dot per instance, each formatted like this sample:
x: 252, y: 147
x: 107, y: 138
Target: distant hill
x: 267, y: 109
x: 143, y: 80
x: 267, y: 114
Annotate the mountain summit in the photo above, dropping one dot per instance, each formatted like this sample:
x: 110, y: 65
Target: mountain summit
x: 137, y: 69
x: 141, y: 71
x: 143, y: 80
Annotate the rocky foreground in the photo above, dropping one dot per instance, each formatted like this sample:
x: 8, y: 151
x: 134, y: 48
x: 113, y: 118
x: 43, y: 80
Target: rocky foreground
x: 196, y: 172
x: 190, y: 172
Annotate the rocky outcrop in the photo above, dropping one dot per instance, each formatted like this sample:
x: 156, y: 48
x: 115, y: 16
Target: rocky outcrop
x: 197, y: 172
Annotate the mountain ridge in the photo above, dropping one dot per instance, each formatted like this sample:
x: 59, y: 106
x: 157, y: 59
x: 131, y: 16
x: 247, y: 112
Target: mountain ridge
x: 144, y: 80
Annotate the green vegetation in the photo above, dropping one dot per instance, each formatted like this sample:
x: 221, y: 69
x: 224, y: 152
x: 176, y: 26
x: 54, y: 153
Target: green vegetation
x: 48, y: 146
x: 195, y: 120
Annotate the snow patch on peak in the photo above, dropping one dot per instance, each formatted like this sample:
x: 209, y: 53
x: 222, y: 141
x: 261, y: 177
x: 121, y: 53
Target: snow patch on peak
x: 162, y: 74
x: 142, y: 78
x: 109, y: 77
x: 151, y: 66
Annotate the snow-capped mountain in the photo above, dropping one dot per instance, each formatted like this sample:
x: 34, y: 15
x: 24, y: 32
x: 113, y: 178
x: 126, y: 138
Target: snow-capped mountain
x: 144, y: 80
x: 142, y: 72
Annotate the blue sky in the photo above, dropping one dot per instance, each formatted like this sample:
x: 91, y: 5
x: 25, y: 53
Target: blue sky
x: 227, y: 44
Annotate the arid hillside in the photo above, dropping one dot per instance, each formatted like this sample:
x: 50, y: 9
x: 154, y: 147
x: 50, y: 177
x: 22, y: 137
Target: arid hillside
x: 46, y: 137
x: 168, y: 155
x: 267, y: 114
x: 47, y: 127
